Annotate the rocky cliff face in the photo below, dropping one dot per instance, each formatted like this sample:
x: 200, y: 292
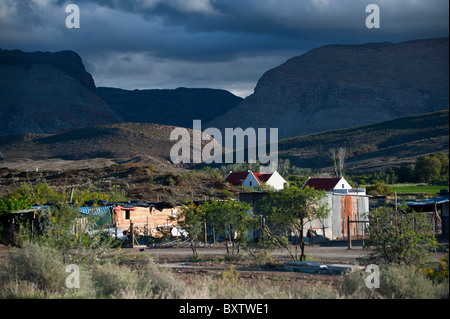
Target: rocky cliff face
x: 44, y: 92
x: 341, y: 86
x: 177, y: 107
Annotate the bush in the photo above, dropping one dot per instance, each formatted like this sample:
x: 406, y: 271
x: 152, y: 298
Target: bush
x: 400, y: 237
x: 438, y: 273
x: 61, y: 229
x: 114, y: 281
x: 379, y: 189
x: 155, y: 282
x: 35, y: 268
x: 396, y: 282
x: 148, y: 281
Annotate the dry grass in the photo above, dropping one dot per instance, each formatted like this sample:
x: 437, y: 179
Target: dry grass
x: 37, y: 272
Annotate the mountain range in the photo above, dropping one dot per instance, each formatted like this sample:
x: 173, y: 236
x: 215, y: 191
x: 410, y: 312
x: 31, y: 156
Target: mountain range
x: 46, y: 93
x: 328, y: 97
x: 340, y: 86
x: 327, y: 88
x: 369, y: 148
x: 43, y: 92
x: 177, y: 107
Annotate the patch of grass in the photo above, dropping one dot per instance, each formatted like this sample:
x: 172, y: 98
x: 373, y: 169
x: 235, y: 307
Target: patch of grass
x: 36, y: 272
x: 417, y: 188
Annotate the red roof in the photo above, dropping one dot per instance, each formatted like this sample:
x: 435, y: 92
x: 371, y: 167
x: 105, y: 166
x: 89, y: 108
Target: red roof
x: 323, y: 184
x: 262, y: 177
x: 237, y: 178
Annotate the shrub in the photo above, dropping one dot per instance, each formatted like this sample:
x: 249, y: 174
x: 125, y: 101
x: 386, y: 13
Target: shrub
x: 400, y: 237
x: 438, y: 273
x: 36, y: 268
x: 61, y: 228
x: 379, y: 189
x: 230, y: 276
x: 155, y: 282
x: 396, y: 282
x: 111, y: 280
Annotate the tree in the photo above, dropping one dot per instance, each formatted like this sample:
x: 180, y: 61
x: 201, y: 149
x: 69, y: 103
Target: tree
x: 291, y: 209
x: 428, y: 168
x: 338, y: 156
x: 341, y: 153
x: 192, y: 219
x: 405, y: 173
x: 232, y: 220
x: 334, y: 158
x: 444, y: 165
x: 400, y: 237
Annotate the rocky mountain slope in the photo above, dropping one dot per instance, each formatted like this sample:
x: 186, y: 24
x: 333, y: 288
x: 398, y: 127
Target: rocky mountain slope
x: 123, y: 142
x: 43, y: 92
x: 369, y: 148
x: 374, y: 147
x: 340, y: 86
x: 169, y: 107
x: 46, y: 93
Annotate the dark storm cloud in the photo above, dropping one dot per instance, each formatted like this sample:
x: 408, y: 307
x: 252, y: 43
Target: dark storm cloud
x: 214, y: 43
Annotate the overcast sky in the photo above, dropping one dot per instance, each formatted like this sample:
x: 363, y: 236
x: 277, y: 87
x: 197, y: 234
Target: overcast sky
x: 227, y: 44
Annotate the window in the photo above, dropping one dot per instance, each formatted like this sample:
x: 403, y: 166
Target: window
x: 343, y: 186
x: 250, y: 183
x: 127, y: 214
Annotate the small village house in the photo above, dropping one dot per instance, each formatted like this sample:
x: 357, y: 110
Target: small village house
x: 148, y: 218
x: 345, y: 202
x: 252, y: 179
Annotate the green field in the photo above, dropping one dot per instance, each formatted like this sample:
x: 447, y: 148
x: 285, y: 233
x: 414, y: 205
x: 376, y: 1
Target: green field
x: 417, y: 188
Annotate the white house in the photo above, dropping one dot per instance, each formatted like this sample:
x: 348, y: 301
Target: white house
x: 252, y: 179
x: 345, y: 202
x: 334, y: 185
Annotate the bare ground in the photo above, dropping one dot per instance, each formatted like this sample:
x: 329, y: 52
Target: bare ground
x: 213, y: 263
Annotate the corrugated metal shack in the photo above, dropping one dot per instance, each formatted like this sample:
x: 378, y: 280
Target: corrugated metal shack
x: 434, y: 205
x: 343, y: 201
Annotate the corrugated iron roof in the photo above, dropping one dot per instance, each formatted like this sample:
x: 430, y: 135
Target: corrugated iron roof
x: 95, y: 210
x: 430, y: 201
x: 323, y: 184
x: 262, y: 177
x: 236, y: 178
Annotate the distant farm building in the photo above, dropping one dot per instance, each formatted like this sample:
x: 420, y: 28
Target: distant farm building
x: 343, y: 202
x: 334, y: 185
x: 252, y: 179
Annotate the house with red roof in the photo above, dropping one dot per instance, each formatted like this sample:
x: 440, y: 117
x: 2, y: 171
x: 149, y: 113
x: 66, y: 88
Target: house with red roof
x: 253, y: 179
x: 344, y: 201
x: 333, y: 185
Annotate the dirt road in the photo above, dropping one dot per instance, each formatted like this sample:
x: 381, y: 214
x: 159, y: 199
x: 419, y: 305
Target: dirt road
x: 329, y: 254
